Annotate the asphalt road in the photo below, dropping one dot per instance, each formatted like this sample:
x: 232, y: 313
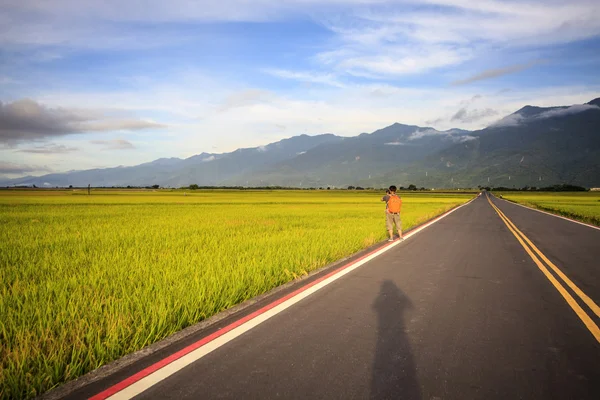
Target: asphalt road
x: 459, y: 311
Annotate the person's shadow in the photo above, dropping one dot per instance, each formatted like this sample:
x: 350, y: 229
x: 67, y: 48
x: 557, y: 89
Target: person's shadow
x: 394, y: 371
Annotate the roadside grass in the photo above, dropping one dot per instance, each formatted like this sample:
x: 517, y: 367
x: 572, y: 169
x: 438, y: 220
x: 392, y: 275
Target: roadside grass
x: 581, y: 206
x: 85, y: 279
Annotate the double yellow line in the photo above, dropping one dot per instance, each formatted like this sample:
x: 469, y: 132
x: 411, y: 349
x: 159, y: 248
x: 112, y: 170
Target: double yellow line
x: 534, y: 253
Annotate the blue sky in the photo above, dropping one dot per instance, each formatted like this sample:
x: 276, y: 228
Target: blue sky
x: 88, y: 84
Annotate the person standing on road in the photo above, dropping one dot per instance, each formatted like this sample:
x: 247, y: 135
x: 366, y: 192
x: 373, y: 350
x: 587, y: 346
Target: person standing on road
x: 393, y: 205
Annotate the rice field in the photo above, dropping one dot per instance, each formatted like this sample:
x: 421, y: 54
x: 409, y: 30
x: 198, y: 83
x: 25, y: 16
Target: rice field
x: 85, y: 279
x: 582, y: 206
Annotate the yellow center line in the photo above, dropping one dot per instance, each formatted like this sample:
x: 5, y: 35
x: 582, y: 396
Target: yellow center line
x: 586, y: 299
x: 591, y: 325
x: 593, y: 306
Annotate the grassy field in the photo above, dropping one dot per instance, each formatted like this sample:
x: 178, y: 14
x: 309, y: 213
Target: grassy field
x: 87, y: 279
x: 582, y: 206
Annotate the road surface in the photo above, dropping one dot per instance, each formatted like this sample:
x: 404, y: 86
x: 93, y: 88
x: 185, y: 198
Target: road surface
x: 461, y: 310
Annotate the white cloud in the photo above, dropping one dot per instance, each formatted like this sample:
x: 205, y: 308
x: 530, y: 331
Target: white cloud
x: 396, y: 143
x: 245, y: 97
x: 114, y: 144
x: 466, y: 115
x: 418, y: 134
x: 49, y: 149
x: 532, y: 22
x: 454, y: 135
x: 397, y: 39
x: 378, y: 37
x: 403, y: 61
x: 509, y: 120
x: 462, y: 139
x: 209, y: 159
x: 518, y: 119
x: 306, y: 77
x: 575, y: 109
x: 114, y: 24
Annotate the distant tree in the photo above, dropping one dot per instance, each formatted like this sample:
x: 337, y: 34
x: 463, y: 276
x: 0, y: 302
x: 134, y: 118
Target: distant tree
x: 351, y: 187
x: 412, y: 187
x: 360, y: 188
x: 70, y: 186
x: 422, y: 188
x: 155, y: 186
x: 402, y: 188
x: 328, y: 188
x: 563, y: 188
x: 193, y: 187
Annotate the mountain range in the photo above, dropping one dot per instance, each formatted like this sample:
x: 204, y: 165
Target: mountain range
x: 533, y: 146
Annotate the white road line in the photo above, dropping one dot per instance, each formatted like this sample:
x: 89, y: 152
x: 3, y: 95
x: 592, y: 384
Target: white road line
x: 554, y: 215
x: 177, y: 365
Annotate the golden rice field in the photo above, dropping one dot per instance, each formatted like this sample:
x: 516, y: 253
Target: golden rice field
x: 85, y: 279
x: 582, y: 206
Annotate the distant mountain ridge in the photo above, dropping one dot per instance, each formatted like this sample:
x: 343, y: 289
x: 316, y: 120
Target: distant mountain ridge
x: 533, y: 146
x: 356, y: 158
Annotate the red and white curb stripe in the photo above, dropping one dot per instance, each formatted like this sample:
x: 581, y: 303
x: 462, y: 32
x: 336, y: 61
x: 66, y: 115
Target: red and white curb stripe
x: 554, y: 215
x: 146, y: 378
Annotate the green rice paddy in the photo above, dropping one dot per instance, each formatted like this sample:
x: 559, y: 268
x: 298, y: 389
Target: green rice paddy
x: 85, y: 279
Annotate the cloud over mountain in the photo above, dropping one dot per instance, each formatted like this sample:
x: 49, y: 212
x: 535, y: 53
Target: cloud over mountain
x: 522, y: 116
x: 466, y: 115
